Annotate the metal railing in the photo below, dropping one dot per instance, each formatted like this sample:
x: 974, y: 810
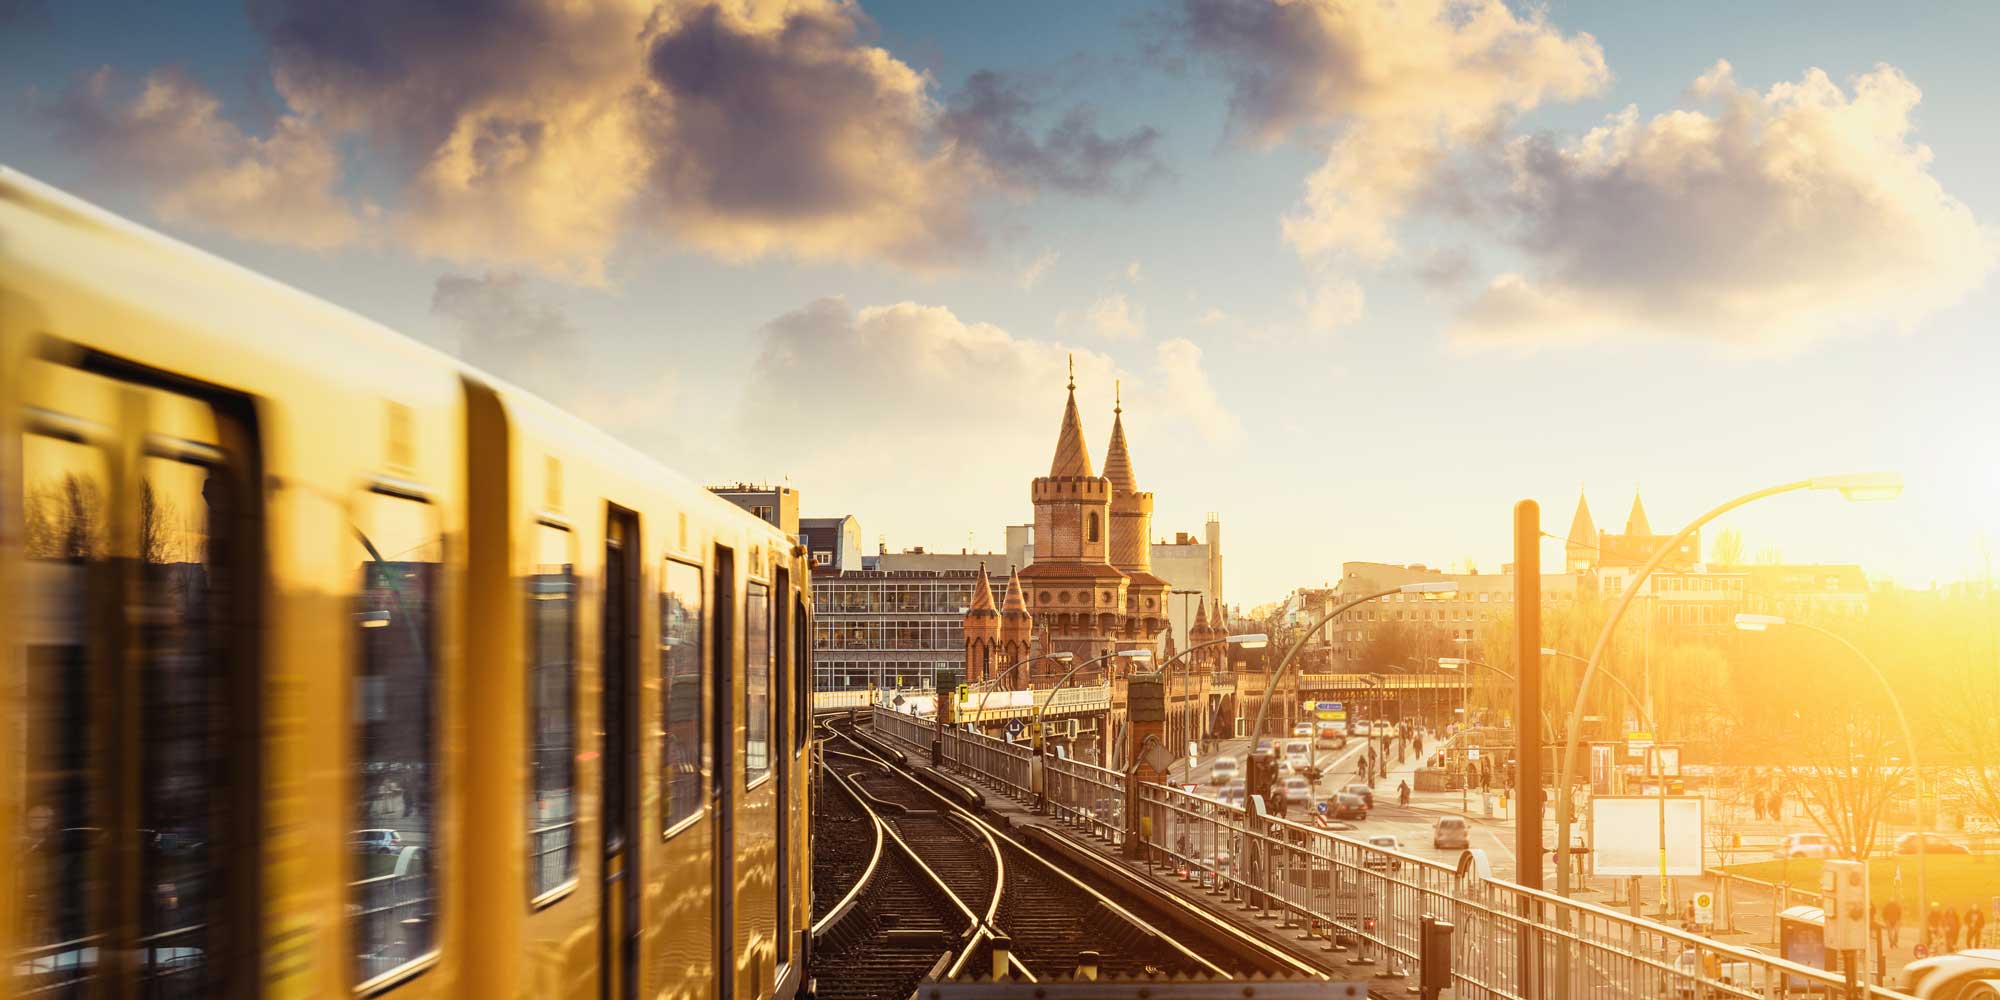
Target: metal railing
x: 1001, y: 764
x: 834, y: 701
x: 912, y: 731
x: 1510, y: 942
x: 1407, y: 682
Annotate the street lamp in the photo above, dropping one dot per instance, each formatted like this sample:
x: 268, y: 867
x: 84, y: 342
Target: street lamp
x: 1853, y: 487
x: 993, y: 682
x: 1035, y: 726
x: 1759, y: 623
x: 1270, y: 685
x: 1245, y: 640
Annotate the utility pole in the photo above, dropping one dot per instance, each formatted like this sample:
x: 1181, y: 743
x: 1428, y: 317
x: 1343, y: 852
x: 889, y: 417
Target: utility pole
x: 1528, y: 735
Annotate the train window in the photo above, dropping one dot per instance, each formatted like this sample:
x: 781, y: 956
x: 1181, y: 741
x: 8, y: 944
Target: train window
x: 65, y: 535
x: 756, y: 684
x: 392, y: 902
x: 682, y: 752
x: 184, y: 576
x: 551, y: 713
x: 802, y: 684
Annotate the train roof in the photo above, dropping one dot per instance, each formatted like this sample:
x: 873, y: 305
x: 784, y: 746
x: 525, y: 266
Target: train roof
x: 100, y: 246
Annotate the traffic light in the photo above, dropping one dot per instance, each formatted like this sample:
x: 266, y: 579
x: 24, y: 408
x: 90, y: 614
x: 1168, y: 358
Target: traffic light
x: 1434, y: 956
x: 1843, y: 888
x: 1259, y: 775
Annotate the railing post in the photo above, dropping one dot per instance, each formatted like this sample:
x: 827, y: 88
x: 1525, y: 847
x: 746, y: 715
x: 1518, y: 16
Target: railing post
x: 1134, y: 842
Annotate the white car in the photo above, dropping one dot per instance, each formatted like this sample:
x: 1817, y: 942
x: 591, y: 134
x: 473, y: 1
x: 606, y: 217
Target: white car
x: 1360, y: 727
x: 1298, y: 792
x: 1949, y: 977
x: 1298, y: 753
x: 1387, y: 842
x: 1303, y: 729
x: 1806, y: 845
x: 1224, y: 771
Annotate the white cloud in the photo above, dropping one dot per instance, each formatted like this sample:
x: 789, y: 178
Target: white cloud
x: 1333, y: 303
x: 1783, y: 216
x: 1037, y: 269
x: 1184, y: 380
x: 1409, y: 82
x: 203, y: 170
x: 1115, y: 317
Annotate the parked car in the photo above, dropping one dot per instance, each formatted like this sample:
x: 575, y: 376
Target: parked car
x: 1450, y: 833
x: 1224, y: 771
x: 1379, y: 861
x: 377, y: 841
x: 1949, y: 977
x: 1367, y: 794
x: 1298, y: 792
x: 1360, y: 727
x: 1933, y: 844
x: 1806, y: 845
x: 1347, y: 805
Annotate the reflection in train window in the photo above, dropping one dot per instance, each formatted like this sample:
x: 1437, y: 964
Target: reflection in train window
x: 680, y: 690
x: 551, y: 712
x: 756, y: 684
x: 392, y: 900
x: 184, y: 579
x: 64, y: 521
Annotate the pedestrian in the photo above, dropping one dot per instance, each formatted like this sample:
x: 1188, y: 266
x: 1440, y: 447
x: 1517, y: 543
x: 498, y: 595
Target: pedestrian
x: 1757, y: 803
x: 1950, y: 928
x: 1403, y: 793
x: 1975, y: 925
x: 1892, y: 920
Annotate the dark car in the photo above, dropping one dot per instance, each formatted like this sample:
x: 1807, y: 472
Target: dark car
x: 1933, y: 844
x: 1367, y: 794
x: 1348, y: 805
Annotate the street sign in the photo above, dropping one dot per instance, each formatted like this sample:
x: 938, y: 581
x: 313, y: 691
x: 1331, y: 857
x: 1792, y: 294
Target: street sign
x: 1194, y: 749
x: 1704, y: 909
x: 1327, y: 706
x: 1471, y: 753
x: 1014, y: 727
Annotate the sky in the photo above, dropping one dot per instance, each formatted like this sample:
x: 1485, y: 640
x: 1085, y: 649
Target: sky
x: 1362, y: 274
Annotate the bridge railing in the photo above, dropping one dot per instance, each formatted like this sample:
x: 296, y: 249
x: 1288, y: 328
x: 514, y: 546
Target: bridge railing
x: 1509, y: 942
x: 914, y: 732
x: 834, y: 701
x: 999, y: 762
x: 1086, y: 796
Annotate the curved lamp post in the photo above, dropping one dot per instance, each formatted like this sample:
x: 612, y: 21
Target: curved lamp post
x: 1278, y: 674
x: 1247, y: 640
x: 1035, y: 726
x: 1759, y: 623
x: 988, y: 693
x: 1859, y: 486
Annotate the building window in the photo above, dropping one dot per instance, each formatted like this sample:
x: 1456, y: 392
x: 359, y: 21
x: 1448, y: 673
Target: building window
x: 822, y: 558
x: 1093, y: 526
x: 551, y: 713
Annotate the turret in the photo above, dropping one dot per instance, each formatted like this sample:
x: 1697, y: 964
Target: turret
x: 982, y: 630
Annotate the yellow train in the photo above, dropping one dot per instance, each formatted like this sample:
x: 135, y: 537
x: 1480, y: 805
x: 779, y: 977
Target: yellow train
x: 333, y: 667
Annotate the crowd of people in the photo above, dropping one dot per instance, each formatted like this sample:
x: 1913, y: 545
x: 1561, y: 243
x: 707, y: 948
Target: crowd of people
x: 1946, y: 928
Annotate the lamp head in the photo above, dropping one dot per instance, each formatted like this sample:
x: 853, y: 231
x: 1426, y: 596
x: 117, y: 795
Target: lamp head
x: 1250, y: 640
x: 1451, y: 662
x: 1861, y: 486
x: 1757, y: 623
x: 1062, y: 657
x: 1135, y: 654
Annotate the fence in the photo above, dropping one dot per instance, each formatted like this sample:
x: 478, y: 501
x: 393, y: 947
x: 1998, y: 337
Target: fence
x: 1509, y: 942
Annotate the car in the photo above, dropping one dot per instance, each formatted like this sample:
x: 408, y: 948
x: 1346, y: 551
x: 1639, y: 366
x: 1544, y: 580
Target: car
x: 1348, y: 805
x: 1303, y: 729
x: 1747, y: 975
x: 1298, y: 752
x: 1450, y: 833
x: 1367, y: 794
x: 1298, y: 792
x: 377, y: 841
x: 1806, y: 845
x: 1285, y: 768
x: 1332, y: 735
x: 1234, y: 794
x: 1378, y: 860
x: 1224, y: 771
x: 1949, y: 976
x: 1360, y: 728
x: 1933, y: 844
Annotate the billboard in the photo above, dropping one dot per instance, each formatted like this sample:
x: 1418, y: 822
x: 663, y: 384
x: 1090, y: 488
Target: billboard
x: 1625, y: 834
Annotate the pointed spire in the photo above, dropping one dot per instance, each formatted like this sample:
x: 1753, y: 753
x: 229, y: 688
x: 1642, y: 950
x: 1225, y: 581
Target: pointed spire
x: 1118, y: 461
x: 1017, y: 599
x: 982, y: 592
x: 1198, y: 625
x: 1635, y: 523
x: 1072, y: 455
x: 1582, y: 530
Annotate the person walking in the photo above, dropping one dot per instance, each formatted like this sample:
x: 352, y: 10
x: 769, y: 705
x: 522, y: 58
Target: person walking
x: 1892, y: 921
x: 1403, y: 793
x: 1975, y: 925
x: 1950, y: 927
x: 1757, y: 803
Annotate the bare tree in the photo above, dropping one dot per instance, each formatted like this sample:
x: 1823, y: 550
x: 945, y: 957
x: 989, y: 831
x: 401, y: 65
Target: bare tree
x: 1851, y: 772
x: 64, y: 520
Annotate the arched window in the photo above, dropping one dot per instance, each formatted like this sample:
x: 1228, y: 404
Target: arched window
x: 1093, y: 526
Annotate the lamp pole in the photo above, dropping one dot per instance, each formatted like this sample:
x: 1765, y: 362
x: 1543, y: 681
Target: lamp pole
x: 1853, y: 487
x: 1278, y: 673
x: 1035, y: 727
x: 1758, y: 623
x: 993, y: 683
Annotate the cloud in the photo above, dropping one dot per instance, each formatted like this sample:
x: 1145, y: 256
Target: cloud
x: 1780, y: 217
x: 202, y: 169
x: 1038, y: 268
x: 1114, y: 316
x: 986, y: 117
x: 503, y: 329
x: 892, y: 383
x: 1333, y: 303
x: 1406, y: 84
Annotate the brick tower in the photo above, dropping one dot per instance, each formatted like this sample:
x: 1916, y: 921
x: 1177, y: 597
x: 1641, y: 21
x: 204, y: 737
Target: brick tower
x: 982, y: 633
x: 1132, y: 538
x: 1017, y: 635
x: 1072, y: 588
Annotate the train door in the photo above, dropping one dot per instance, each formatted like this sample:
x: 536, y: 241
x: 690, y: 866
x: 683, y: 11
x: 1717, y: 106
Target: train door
x: 781, y: 757
x: 137, y: 870
x: 723, y: 790
x: 619, y: 904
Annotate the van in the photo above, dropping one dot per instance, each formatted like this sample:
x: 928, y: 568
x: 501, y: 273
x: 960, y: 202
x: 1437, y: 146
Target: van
x: 1298, y: 752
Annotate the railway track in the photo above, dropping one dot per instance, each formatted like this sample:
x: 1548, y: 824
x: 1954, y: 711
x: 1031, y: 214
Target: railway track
x: 1050, y: 924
